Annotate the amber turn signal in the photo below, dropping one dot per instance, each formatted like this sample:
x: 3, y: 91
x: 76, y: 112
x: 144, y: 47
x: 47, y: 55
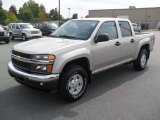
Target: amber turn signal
x: 49, y: 68
x: 51, y: 57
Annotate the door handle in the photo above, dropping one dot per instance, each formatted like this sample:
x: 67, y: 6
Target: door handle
x: 117, y: 43
x: 132, y: 41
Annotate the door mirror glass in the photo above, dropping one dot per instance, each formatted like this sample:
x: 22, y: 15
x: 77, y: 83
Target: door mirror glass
x: 102, y: 38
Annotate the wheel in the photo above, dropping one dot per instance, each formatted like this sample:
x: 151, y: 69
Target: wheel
x: 24, y: 38
x: 141, y: 62
x: 11, y: 37
x: 73, y: 83
x: 7, y: 41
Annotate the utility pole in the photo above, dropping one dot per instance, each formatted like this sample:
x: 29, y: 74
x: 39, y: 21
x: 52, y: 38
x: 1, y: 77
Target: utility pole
x: 69, y: 9
x: 59, y: 12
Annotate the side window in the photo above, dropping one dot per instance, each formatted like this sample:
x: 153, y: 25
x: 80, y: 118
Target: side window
x: 44, y: 26
x: 13, y: 26
x: 40, y: 26
x: 110, y: 29
x: 10, y: 25
x: 17, y: 26
x: 125, y: 29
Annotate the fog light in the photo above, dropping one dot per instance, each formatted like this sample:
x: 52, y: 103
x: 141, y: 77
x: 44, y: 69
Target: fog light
x: 41, y: 67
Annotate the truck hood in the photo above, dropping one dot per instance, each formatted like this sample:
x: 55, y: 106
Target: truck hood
x: 45, y: 45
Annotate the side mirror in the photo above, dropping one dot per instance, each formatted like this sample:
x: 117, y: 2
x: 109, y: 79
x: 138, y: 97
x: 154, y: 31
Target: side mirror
x: 101, y: 38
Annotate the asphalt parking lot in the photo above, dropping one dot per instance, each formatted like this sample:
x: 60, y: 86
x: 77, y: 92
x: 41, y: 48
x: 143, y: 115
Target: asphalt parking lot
x: 117, y: 94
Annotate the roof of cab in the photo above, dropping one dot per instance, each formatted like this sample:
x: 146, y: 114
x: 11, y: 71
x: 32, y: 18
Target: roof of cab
x: 20, y: 23
x: 103, y: 19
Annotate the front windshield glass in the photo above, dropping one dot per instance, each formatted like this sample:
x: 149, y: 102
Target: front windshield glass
x: 76, y: 29
x: 52, y: 26
x: 25, y: 26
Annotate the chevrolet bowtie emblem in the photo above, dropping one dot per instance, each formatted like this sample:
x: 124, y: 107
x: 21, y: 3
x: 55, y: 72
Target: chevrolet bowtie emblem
x: 18, y: 57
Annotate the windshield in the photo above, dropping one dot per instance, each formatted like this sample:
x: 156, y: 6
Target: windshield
x: 52, y: 26
x: 76, y: 29
x: 25, y: 26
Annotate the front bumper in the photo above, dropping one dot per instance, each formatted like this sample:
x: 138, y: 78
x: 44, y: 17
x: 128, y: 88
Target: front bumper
x: 44, y: 82
x: 33, y: 35
x: 4, y: 38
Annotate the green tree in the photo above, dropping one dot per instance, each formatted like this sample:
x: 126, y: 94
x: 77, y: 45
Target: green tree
x: 42, y: 13
x: 29, y: 11
x: 3, y: 15
x: 34, y: 7
x: 11, y: 17
x: 13, y: 9
x: 1, y: 4
x: 25, y: 13
x: 75, y: 16
x: 54, y: 14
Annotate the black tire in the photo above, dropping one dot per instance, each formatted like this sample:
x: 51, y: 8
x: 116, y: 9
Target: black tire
x: 66, y: 78
x: 11, y: 37
x: 7, y: 41
x: 141, y: 62
x: 24, y: 38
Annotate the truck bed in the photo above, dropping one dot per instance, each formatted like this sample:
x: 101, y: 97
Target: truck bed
x: 140, y: 33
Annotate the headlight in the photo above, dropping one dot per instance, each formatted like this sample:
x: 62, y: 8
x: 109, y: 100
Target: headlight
x: 6, y: 33
x: 43, y: 68
x: 26, y: 31
x: 44, y: 57
x: 39, y: 32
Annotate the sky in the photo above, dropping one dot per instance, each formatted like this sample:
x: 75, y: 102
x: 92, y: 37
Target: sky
x: 82, y: 6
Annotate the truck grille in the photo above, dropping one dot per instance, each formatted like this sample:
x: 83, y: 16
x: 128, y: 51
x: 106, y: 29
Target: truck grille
x: 34, y: 32
x: 1, y: 33
x: 20, y: 64
x: 22, y: 54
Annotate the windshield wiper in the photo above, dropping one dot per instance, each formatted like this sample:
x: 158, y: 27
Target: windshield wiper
x: 64, y: 36
x: 67, y: 36
x: 52, y: 36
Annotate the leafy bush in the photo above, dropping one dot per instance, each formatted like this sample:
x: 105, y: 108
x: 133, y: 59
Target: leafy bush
x: 159, y: 28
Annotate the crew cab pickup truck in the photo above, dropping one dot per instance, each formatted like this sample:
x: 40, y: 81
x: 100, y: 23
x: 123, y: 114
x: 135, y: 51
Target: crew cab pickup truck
x: 67, y: 59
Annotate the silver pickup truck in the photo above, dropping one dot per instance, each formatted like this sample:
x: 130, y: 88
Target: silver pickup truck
x: 67, y: 59
x: 23, y: 30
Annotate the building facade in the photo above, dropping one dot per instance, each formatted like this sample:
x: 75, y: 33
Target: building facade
x: 149, y: 18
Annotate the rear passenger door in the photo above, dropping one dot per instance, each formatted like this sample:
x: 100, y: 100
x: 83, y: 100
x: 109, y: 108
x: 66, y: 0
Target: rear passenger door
x: 18, y: 30
x: 13, y: 28
x: 109, y: 53
x: 128, y: 39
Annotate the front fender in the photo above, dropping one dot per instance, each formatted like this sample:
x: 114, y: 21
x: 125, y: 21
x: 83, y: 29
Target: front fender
x: 70, y: 56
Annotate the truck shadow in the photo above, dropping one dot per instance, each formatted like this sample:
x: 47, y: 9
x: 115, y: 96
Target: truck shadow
x: 20, y: 102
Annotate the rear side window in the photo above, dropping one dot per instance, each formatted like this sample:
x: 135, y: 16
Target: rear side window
x: 125, y: 29
x: 44, y: 26
x: 110, y: 29
x: 17, y: 26
x: 13, y: 26
x: 10, y: 25
x: 40, y: 26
